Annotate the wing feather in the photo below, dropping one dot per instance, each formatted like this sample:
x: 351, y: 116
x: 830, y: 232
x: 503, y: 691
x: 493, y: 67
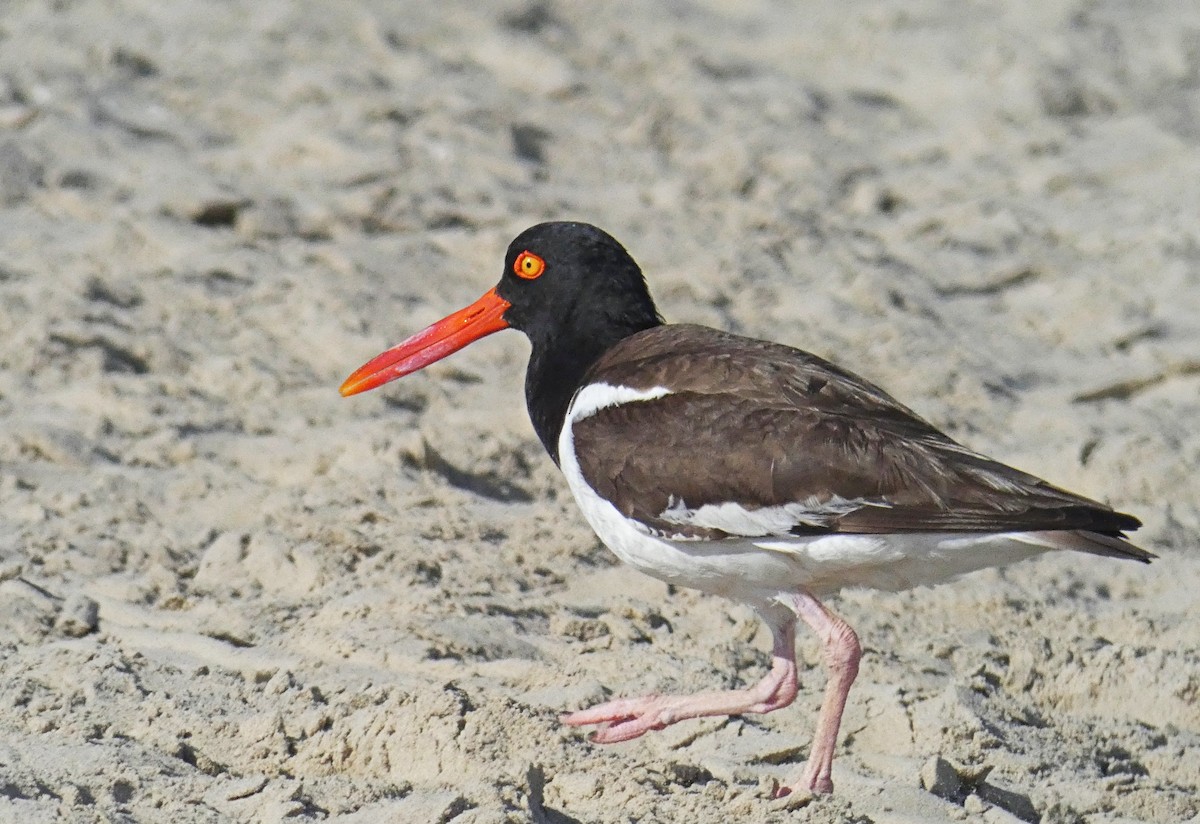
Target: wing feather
x: 757, y: 438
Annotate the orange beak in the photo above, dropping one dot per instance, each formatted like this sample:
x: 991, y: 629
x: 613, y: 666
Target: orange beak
x: 448, y: 335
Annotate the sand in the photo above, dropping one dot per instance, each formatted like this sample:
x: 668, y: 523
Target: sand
x: 228, y: 594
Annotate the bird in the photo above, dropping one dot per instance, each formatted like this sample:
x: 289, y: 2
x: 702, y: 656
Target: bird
x: 745, y: 469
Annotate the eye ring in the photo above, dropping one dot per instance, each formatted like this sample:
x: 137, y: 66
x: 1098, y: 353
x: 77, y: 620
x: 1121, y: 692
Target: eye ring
x: 528, y: 266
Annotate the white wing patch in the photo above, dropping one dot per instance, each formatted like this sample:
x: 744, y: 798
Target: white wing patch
x: 769, y: 520
x: 596, y: 396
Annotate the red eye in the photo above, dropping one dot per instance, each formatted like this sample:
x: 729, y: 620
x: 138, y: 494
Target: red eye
x: 528, y: 266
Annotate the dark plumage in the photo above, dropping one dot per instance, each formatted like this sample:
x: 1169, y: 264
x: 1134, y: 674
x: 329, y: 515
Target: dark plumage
x: 765, y: 425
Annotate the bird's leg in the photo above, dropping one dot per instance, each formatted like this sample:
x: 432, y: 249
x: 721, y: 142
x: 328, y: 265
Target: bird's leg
x: 842, y: 654
x: 627, y: 718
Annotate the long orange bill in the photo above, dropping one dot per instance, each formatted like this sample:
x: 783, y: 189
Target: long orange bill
x: 451, y: 333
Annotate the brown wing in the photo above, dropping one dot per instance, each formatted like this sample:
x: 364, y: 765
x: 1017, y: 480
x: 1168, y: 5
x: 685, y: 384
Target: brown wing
x: 798, y: 445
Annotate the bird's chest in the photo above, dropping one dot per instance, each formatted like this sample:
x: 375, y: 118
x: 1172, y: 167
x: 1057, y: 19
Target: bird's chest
x: 721, y: 567
x: 628, y: 542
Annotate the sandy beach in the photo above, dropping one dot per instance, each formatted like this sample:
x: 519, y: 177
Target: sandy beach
x: 228, y: 594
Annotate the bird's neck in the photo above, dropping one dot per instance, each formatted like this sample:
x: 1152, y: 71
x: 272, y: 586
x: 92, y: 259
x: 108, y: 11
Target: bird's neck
x: 558, y: 369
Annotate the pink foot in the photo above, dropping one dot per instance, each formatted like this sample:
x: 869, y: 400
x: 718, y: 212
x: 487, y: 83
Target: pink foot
x: 627, y: 718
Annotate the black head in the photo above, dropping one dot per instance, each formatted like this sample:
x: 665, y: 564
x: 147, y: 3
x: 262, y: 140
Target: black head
x: 567, y: 280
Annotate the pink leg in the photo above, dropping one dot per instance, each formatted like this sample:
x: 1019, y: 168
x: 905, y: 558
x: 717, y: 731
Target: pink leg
x: 627, y: 718
x: 842, y: 654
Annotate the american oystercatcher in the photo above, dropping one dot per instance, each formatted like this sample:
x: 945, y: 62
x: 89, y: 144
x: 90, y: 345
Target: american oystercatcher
x: 743, y: 468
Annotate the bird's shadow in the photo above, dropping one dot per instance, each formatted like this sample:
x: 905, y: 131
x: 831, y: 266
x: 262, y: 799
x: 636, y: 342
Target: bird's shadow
x: 486, y: 485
